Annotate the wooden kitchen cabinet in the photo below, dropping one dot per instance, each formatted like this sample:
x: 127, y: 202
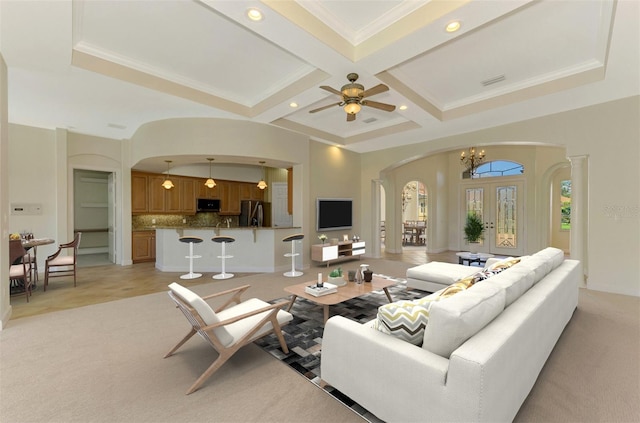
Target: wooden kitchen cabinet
x: 204, y: 191
x: 256, y: 193
x: 188, y: 195
x: 157, y: 202
x: 181, y: 199
x: 229, y: 198
x: 149, y: 196
x: 173, y: 197
x: 245, y: 191
x: 143, y: 246
x: 139, y: 196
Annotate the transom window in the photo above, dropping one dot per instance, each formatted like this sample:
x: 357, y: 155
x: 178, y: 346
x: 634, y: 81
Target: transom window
x: 494, y: 169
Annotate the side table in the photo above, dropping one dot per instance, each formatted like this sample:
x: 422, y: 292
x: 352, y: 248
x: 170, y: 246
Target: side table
x: 467, y: 258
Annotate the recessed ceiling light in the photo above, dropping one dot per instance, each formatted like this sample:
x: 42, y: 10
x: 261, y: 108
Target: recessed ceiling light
x: 403, y: 107
x: 452, y: 26
x: 254, y: 14
x: 293, y: 104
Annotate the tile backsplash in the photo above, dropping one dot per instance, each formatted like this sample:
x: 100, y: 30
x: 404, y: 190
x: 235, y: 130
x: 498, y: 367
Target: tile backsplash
x: 172, y: 220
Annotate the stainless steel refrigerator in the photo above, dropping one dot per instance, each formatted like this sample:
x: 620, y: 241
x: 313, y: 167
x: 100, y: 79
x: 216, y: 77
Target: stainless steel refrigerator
x: 255, y: 213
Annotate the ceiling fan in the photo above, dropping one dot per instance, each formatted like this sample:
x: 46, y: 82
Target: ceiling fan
x: 352, y: 97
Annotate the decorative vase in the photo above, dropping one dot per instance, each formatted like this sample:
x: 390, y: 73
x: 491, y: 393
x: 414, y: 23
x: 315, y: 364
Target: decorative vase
x: 368, y: 275
x: 473, y: 247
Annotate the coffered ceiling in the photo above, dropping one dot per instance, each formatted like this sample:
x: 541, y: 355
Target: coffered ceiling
x: 106, y: 67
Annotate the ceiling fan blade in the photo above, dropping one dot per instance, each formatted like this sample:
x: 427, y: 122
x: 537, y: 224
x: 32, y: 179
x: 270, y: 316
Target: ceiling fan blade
x: 381, y: 106
x: 380, y: 88
x: 351, y: 117
x: 324, y: 107
x: 331, y: 90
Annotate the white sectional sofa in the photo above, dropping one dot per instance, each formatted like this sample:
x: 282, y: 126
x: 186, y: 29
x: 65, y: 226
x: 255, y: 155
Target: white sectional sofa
x: 482, y: 350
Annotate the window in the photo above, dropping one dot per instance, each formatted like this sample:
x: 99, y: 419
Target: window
x: 494, y: 169
x: 565, y: 205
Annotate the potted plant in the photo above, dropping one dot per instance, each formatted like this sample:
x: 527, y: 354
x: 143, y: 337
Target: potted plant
x: 473, y: 230
x: 336, y: 277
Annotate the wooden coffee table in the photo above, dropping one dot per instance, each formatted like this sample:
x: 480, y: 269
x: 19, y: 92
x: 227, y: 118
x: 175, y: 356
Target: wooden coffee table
x: 347, y: 292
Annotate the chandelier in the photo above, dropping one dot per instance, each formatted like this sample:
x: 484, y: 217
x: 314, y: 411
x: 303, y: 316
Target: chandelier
x: 472, y: 161
x: 210, y: 182
x: 167, y: 184
x: 262, y: 184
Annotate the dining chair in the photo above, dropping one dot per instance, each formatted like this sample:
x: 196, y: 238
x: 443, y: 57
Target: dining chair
x: 229, y: 327
x: 422, y: 231
x: 58, y: 265
x: 20, y: 267
x: 407, y: 232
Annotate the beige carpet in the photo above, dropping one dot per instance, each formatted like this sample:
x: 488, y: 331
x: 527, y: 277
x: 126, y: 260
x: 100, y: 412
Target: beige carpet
x: 103, y: 363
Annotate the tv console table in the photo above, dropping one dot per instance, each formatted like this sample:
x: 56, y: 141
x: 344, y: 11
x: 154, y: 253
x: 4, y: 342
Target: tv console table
x: 342, y: 250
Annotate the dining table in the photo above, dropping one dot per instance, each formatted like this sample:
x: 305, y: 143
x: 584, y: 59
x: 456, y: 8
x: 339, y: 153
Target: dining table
x: 34, y: 243
x: 416, y: 229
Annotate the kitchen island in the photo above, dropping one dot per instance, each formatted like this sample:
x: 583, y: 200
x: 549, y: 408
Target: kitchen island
x: 254, y: 250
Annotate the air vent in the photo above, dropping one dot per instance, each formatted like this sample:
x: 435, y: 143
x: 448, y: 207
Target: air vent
x: 493, y: 80
x: 370, y: 120
x: 116, y: 126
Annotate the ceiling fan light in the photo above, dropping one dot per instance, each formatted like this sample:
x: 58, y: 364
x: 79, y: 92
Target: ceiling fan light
x: 352, y: 90
x: 352, y: 108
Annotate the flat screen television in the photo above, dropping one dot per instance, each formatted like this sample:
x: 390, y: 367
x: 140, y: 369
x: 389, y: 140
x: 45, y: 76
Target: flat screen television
x: 333, y: 214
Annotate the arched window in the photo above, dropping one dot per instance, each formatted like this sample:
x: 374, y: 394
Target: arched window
x: 495, y: 168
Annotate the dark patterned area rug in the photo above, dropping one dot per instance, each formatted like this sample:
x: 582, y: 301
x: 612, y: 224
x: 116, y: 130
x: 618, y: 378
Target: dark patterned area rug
x: 304, y: 333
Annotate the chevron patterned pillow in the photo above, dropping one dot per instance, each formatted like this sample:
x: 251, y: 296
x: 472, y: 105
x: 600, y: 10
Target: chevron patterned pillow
x: 404, y: 319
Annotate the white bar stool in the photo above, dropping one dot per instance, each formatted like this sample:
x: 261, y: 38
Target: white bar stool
x: 191, y: 240
x: 292, y: 239
x: 223, y: 240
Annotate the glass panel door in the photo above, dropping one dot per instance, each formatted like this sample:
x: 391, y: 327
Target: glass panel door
x: 502, y: 212
x: 506, y: 217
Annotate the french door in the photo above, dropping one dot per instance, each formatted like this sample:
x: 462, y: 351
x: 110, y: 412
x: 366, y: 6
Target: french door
x: 500, y: 205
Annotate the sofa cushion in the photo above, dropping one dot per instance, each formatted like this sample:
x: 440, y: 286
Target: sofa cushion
x: 543, y: 262
x: 404, y: 319
x: 455, y: 319
x: 441, y: 273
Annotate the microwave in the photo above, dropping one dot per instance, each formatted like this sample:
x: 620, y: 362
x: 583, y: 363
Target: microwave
x: 209, y: 205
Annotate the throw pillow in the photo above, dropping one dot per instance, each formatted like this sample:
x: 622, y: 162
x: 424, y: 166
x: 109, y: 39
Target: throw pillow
x: 505, y: 264
x: 459, y: 285
x: 405, y: 320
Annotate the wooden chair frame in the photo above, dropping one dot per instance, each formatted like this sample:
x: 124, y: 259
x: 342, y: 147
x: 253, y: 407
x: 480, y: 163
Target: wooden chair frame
x: 67, y: 269
x: 206, y: 331
x: 17, y: 253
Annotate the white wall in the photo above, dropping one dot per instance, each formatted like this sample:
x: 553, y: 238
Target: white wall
x: 32, y: 180
x: 5, y: 306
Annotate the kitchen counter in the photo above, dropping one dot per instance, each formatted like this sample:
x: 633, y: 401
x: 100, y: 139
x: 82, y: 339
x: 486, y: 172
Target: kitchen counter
x: 258, y: 249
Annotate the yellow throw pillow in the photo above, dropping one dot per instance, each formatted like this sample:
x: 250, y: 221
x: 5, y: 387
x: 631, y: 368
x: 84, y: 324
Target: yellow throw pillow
x: 458, y: 286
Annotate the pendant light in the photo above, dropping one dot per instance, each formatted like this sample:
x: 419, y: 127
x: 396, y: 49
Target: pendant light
x: 262, y: 184
x: 167, y: 184
x: 210, y: 182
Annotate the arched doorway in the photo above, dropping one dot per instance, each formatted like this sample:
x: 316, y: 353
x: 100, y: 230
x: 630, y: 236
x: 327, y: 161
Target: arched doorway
x: 414, y: 214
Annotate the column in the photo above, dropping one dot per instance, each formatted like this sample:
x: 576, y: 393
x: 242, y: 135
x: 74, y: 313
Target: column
x: 374, y: 245
x: 578, y: 210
